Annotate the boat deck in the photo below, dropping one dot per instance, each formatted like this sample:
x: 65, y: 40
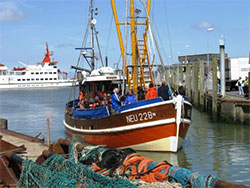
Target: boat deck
x: 34, y: 147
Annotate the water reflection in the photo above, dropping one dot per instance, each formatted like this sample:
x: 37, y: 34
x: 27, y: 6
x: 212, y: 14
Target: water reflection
x: 210, y: 148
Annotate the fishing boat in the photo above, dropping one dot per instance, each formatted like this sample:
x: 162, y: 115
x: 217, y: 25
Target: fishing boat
x: 147, y: 125
x: 43, y: 74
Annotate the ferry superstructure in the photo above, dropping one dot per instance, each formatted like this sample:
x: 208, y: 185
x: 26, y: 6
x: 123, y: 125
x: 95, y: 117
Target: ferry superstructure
x: 43, y: 74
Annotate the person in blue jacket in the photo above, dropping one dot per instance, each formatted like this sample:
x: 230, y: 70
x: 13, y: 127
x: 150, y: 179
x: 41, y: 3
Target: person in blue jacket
x: 116, y: 103
x: 131, y: 98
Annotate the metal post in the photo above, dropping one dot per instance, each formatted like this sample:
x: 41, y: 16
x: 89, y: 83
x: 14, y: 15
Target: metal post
x: 208, y: 30
x: 222, y: 66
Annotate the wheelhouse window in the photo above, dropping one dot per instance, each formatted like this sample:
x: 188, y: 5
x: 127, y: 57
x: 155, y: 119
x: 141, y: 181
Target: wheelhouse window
x: 41, y: 72
x: 37, y: 72
x: 37, y: 78
x: 50, y: 79
x: 41, y: 78
x: 55, y: 78
x: 28, y: 79
x: 46, y: 78
x: 32, y: 72
x: 23, y: 79
x: 54, y: 72
x: 18, y: 79
x: 50, y: 72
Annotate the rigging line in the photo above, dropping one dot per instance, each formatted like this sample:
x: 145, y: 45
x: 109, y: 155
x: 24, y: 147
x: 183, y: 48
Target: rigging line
x: 169, y: 38
x: 97, y: 41
x: 107, y: 46
x: 164, y: 51
x: 125, y: 59
x: 73, y: 89
x: 154, y: 38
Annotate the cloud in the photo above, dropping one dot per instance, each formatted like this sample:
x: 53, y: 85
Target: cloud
x: 64, y: 45
x: 10, y: 12
x: 204, y: 25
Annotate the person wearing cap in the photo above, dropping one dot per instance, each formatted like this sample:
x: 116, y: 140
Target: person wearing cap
x: 116, y: 103
x: 181, y: 90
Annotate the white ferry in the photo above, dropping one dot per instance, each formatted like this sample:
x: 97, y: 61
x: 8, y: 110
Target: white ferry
x: 43, y: 74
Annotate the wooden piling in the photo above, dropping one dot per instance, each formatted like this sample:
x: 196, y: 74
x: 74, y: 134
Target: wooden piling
x: 48, y: 132
x: 195, y: 83
x: 201, y: 83
x: 3, y: 123
x: 188, y: 81
x: 215, y: 95
x: 177, y: 75
x: 181, y: 74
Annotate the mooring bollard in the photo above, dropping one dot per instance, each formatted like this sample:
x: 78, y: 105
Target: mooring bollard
x: 3, y: 123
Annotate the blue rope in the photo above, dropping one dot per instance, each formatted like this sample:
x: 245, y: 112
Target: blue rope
x: 196, y: 180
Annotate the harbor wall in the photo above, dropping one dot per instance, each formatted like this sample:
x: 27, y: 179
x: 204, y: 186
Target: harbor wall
x: 201, y: 85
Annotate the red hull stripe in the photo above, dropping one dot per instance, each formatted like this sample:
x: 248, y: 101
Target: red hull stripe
x: 132, y: 137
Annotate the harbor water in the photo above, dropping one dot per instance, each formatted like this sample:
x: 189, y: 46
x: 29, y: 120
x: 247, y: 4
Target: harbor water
x: 210, y: 147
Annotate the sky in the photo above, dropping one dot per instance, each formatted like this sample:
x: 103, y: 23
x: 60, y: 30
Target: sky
x: 180, y: 26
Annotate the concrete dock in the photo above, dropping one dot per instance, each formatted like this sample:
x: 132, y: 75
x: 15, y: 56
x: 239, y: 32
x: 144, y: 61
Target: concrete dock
x: 201, y: 86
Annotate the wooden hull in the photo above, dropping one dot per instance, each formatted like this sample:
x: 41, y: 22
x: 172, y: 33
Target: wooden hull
x: 154, y: 127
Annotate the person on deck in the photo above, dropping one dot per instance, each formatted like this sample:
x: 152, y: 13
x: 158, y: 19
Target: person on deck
x: 81, y: 95
x: 239, y: 84
x: 152, y: 93
x: 181, y: 90
x: 245, y: 86
x: 141, y: 93
x: 116, y: 103
x: 131, y: 97
x: 163, y: 91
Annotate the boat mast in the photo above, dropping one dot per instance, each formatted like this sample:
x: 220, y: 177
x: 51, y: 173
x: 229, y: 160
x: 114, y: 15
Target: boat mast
x: 139, y: 52
x: 133, y: 46
x: 92, y: 36
x: 123, y: 52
